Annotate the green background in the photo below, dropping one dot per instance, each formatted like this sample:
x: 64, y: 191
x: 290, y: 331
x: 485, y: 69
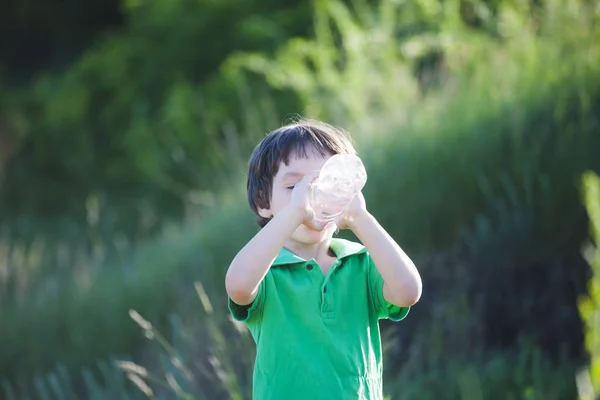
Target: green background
x: 125, y: 129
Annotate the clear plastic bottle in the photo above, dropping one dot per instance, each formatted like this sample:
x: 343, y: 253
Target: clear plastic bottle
x: 342, y: 177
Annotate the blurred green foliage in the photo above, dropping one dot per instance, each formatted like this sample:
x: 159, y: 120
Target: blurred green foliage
x: 142, y: 121
x: 589, y: 382
x: 124, y: 184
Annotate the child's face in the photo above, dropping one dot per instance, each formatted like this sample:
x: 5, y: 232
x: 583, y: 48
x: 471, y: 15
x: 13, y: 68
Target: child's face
x: 283, y: 183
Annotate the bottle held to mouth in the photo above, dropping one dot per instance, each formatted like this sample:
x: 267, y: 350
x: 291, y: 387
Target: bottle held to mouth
x: 342, y: 177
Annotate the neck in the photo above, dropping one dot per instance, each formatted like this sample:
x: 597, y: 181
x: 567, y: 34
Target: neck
x: 316, y: 251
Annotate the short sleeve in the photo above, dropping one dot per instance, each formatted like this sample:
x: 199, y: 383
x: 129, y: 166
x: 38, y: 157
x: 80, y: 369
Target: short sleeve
x: 384, y: 309
x: 249, y: 313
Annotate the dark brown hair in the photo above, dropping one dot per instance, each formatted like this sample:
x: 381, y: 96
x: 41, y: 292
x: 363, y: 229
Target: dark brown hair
x: 296, y: 139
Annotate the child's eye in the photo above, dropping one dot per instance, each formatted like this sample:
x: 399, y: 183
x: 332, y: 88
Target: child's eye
x: 290, y: 187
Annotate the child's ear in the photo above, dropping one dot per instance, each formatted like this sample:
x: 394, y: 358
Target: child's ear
x: 265, y: 213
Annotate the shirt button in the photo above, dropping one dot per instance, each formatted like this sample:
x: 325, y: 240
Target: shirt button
x: 325, y: 289
x: 309, y: 267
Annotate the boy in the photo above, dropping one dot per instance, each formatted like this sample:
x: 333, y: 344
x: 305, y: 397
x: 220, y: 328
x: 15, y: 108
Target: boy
x: 313, y: 302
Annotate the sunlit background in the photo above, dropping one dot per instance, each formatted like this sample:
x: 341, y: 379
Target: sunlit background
x: 125, y: 129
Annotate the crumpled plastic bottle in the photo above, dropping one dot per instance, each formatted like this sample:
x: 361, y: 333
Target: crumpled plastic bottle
x: 342, y: 177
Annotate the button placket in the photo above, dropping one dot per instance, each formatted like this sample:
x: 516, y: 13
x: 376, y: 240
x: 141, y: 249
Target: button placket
x: 326, y: 299
x: 315, y: 276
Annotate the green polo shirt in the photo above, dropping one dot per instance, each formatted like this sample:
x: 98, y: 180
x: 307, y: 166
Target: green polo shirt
x: 317, y: 336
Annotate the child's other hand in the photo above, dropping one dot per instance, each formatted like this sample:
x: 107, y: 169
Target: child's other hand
x: 357, y: 207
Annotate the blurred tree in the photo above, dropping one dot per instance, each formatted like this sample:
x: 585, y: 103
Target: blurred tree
x: 141, y: 119
x: 50, y: 34
x: 145, y: 111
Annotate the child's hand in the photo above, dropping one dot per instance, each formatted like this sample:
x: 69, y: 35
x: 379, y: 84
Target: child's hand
x: 300, y: 202
x: 357, y: 207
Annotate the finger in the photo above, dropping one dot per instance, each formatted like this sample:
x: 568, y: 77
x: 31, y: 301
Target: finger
x: 340, y: 222
x: 307, y: 180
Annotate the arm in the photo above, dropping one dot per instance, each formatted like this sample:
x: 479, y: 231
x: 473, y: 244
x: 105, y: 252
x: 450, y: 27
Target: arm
x: 402, y: 283
x: 251, y: 264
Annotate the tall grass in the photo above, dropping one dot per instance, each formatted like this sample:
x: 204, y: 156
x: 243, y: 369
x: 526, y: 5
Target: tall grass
x: 187, y: 372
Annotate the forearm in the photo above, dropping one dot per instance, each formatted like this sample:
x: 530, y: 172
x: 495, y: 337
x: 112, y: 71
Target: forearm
x: 403, y: 284
x: 251, y: 264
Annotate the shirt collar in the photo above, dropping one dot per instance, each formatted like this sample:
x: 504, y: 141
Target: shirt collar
x: 341, y: 247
